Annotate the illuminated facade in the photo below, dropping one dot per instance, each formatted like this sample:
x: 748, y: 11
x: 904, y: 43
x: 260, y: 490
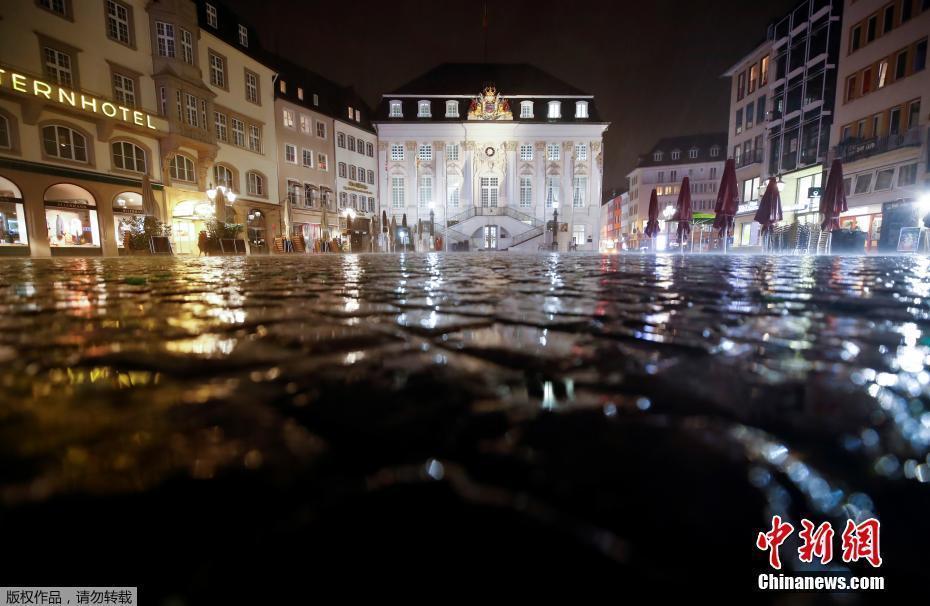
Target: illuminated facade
x: 489, y: 152
x: 79, y: 125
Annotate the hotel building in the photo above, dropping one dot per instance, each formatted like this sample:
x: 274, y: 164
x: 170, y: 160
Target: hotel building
x: 356, y: 171
x: 79, y: 124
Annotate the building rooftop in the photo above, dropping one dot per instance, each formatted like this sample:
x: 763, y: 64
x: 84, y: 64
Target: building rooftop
x: 703, y: 144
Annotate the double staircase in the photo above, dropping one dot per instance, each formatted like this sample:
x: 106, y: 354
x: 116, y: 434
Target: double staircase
x: 521, y: 226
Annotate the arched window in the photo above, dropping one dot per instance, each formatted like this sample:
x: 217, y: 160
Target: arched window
x: 128, y: 156
x: 526, y: 109
x: 181, y: 168
x: 12, y: 215
x: 64, y: 143
x: 676, y: 154
x: 6, y: 136
x: 396, y: 109
x: 657, y: 156
x: 452, y: 109
x: 581, y: 109
x: 256, y: 183
x: 423, y: 109
x: 71, y: 216
x: 223, y: 175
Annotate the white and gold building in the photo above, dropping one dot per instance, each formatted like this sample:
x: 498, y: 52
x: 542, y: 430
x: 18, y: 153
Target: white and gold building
x: 490, y: 152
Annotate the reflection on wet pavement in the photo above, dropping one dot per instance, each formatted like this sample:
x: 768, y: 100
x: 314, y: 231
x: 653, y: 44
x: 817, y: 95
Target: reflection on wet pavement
x: 593, y: 408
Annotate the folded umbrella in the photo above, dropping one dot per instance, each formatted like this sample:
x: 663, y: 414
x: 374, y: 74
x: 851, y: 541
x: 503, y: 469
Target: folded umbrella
x: 652, y: 223
x: 769, y: 212
x: 833, y: 201
x: 684, y: 210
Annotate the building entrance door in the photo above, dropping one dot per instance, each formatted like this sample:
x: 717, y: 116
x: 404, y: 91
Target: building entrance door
x: 490, y: 237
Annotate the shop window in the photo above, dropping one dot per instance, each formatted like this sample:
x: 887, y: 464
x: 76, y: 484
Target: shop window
x: 71, y: 217
x: 127, y: 208
x: 12, y: 215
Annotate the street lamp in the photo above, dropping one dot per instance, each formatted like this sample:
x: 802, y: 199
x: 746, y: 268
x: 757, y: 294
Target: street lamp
x: 219, y: 195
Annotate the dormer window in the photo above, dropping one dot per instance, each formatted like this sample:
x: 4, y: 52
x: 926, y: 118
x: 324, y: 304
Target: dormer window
x: 452, y: 109
x: 351, y: 112
x: 693, y: 153
x: 396, y: 110
x: 676, y: 154
x: 423, y: 109
x: 526, y: 109
x: 714, y: 151
x: 300, y: 93
x: 282, y: 86
x: 657, y: 156
x: 243, y: 35
x: 581, y: 109
x: 555, y: 110
x: 212, y: 21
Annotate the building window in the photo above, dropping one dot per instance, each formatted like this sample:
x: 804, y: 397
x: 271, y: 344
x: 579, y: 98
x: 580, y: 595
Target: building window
x: 308, y: 158
x: 578, y: 234
x: 219, y: 122
x: 164, y: 35
x: 581, y: 109
x: 6, y: 137
x: 64, y: 143
x: 489, y: 191
x: 526, y: 152
x: 124, y: 90
x: 255, y: 183
x: 554, y: 152
x: 883, y: 179
x: 181, y: 168
x: 118, y: 22
x: 764, y: 71
x: 316, y: 99
x: 352, y: 171
x: 305, y: 123
x: 452, y: 109
x: 396, y: 110
x: 62, y: 8
x: 370, y: 150
x: 351, y: 142
x: 425, y: 190
x: 255, y: 138
x: 321, y: 129
x: 217, y: 70
x: 341, y: 140
x: 351, y: 112
x: 581, y: 152
x: 452, y: 152
x: 676, y: 154
x: 293, y: 192
x: 863, y: 183
x: 657, y: 156
x: 300, y: 93
x: 454, y: 193
x: 580, y: 191
x: 223, y: 176
x: 187, y: 46
x: 397, y: 192
x: 526, y: 192
x: 423, y: 109
x: 526, y: 109
x: 243, y: 35
x: 238, y: 128
x: 212, y: 21
x: 127, y: 156
x: 552, y: 192
x: 920, y: 57
x: 397, y: 152
x: 251, y: 86
x: 741, y: 86
x: 58, y: 67
x: 287, y: 118
x: 371, y: 177
x: 555, y: 110
x: 322, y: 162
x: 907, y: 175
x: 290, y: 153
x: 693, y: 153
x: 190, y: 102
x: 425, y: 152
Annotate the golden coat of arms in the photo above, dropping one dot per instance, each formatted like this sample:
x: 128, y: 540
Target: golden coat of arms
x: 489, y: 106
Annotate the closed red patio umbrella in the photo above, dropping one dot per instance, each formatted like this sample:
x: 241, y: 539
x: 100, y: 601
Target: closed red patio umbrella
x: 833, y: 201
x: 727, y: 201
x: 769, y: 212
x: 652, y: 223
x: 684, y: 211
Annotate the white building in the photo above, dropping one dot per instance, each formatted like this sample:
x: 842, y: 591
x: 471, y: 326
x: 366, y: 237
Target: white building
x: 496, y: 150
x: 356, y: 171
x: 882, y: 107
x: 698, y: 157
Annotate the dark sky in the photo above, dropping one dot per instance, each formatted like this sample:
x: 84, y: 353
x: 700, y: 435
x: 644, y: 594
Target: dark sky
x: 653, y: 65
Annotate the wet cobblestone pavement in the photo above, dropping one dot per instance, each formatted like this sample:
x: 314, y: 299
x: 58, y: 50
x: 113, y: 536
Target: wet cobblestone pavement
x: 209, y: 428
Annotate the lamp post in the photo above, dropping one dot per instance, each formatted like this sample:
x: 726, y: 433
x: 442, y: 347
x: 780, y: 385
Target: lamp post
x: 219, y: 195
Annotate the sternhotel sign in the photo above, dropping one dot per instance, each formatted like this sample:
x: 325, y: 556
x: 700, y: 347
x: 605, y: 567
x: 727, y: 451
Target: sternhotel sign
x: 87, y: 103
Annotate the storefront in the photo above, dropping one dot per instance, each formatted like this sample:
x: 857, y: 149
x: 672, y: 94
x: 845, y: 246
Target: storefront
x: 188, y: 219
x: 71, y: 220
x: 13, y: 233
x: 127, y: 212
x: 867, y: 219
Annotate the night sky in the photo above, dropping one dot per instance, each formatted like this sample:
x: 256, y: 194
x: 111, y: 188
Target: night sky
x: 653, y: 65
